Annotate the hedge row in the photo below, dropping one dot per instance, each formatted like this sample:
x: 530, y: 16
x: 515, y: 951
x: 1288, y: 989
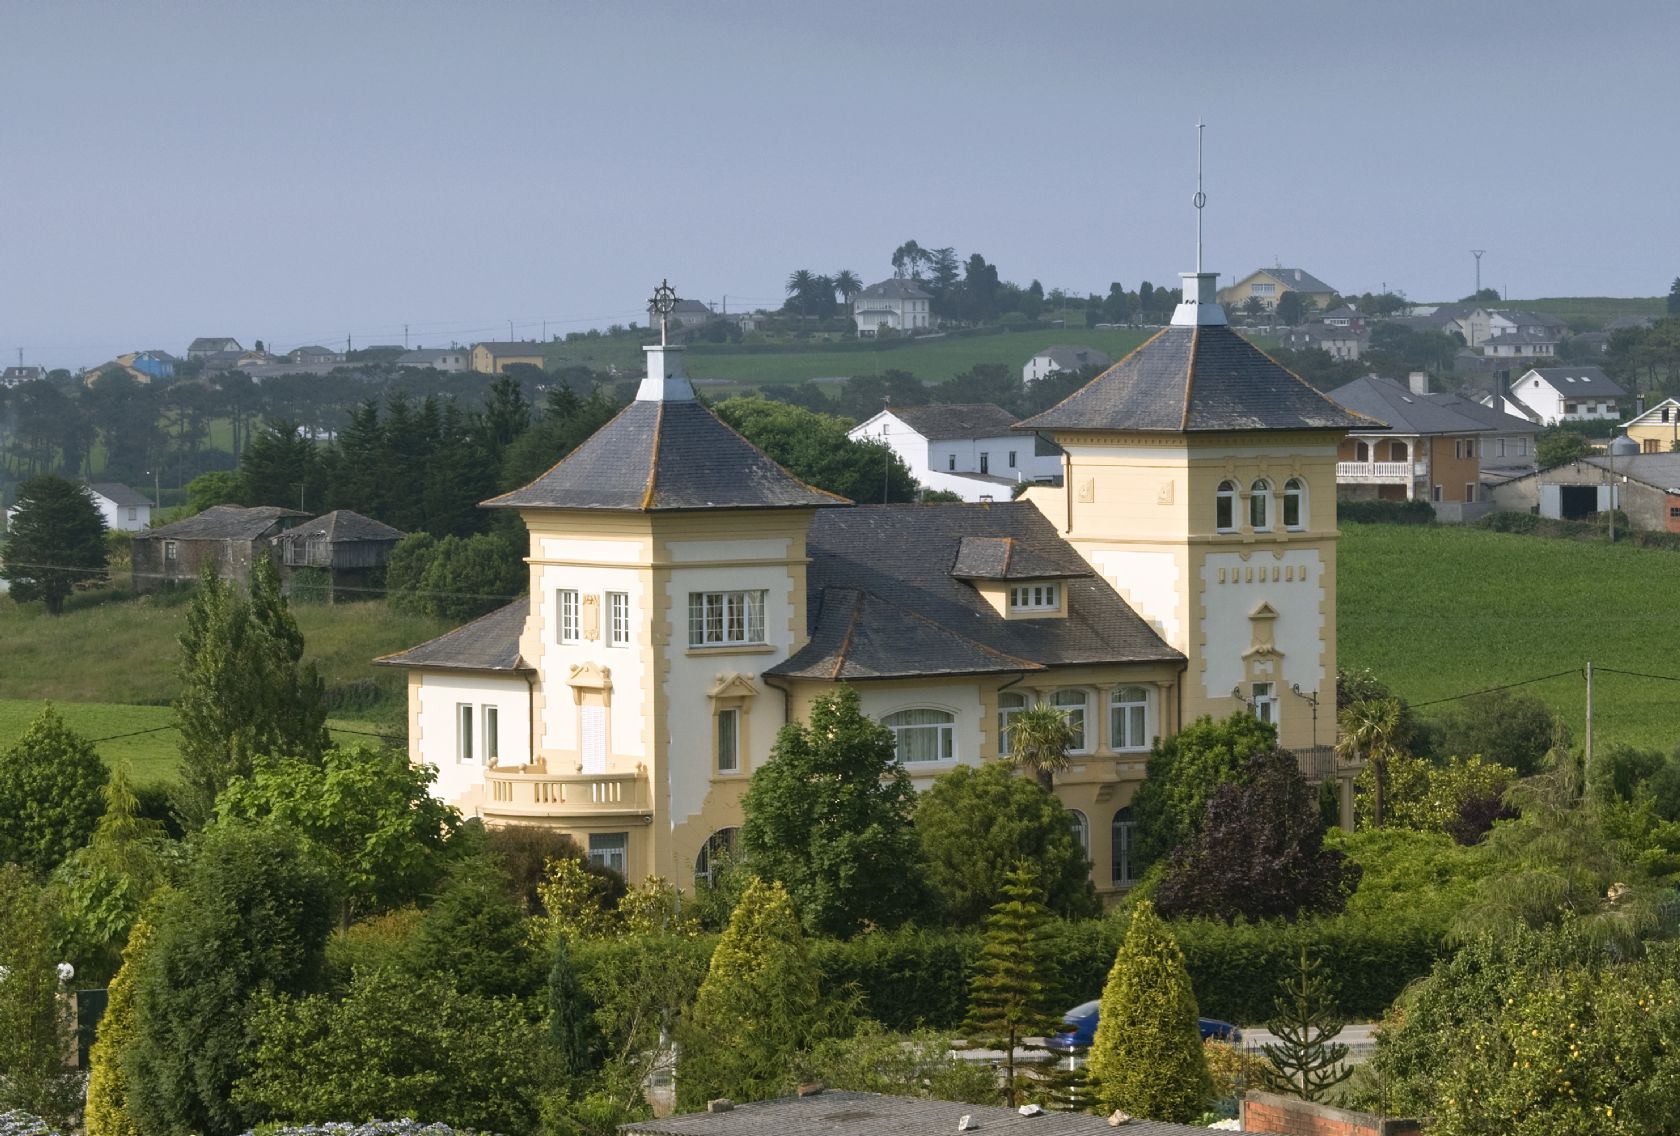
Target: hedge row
x: 1385, y: 512
x: 913, y: 977
x: 1530, y: 524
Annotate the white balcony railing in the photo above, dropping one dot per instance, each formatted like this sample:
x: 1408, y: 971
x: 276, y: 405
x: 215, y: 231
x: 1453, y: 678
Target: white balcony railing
x: 1386, y: 472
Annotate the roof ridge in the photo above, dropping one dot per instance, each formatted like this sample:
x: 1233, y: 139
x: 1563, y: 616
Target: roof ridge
x: 1114, y: 366
x: 653, y: 455
x: 1189, y: 379
x: 845, y: 648
x: 564, y: 458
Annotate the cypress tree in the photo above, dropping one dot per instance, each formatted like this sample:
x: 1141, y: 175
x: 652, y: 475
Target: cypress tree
x: 56, y: 542
x: 1008, y: 997
x: 107, y: 1092
x: 758, y: 1010
x: 1147, y: 1056
x: 1306, y: 1060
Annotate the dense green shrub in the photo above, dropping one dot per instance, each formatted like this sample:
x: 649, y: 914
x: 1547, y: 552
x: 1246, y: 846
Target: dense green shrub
x: 50, y: 793
x: 1385, y: 512
x: 906, y: 978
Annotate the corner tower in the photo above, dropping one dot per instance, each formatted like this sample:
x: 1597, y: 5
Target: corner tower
x: 1200, y: 480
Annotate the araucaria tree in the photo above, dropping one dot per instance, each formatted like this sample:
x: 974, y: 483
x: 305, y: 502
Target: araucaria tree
x: 51, y: 784
x: 759, y: 1009
x: 1147, y: 1055
x: 828, y: 816
x: 1306, y: 1061
x: 245, y: 689
x: 56, y: 540
x: 1260, y: 852
x: 1008, y: 997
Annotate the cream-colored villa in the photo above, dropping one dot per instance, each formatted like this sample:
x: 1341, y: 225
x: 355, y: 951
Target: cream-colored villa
x: 688, y: 597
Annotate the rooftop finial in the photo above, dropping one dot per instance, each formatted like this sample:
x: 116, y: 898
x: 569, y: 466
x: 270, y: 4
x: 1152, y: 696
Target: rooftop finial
x: 1200, y: 199
x: 663, y: 302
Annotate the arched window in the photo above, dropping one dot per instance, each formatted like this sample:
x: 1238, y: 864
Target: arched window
x: 1122, y: 870
x: 720, y: 847
x: 1225, y: 507
x: 1074, y: 703
x: 1010, y: 703
x: 923, y: 734
x: 1081, y: 829
x: 1295, y: 504
x: 1260, y: 506
x: 1128, y: 718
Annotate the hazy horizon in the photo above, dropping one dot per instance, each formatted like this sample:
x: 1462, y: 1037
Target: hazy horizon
x: 300, y: 173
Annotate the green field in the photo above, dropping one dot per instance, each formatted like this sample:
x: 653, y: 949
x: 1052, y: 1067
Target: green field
x: 1439, y: 611
x: 931, y: 359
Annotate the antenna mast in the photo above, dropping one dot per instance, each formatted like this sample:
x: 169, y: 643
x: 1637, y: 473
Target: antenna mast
x: 1201, y: 198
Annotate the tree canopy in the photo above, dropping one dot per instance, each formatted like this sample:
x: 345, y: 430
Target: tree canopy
x: 815, y: 448
x: 1184, y: 771
x: 55, y: 542
x: 50, y: 793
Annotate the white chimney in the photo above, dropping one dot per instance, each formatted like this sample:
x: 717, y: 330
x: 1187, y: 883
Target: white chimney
x: 665, y: 380
x: 1418, y: 381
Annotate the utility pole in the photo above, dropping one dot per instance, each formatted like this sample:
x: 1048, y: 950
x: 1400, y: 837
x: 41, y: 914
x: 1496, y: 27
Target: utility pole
x: 1477, y: 253
x: 510, y: 331
x: 1589, y: 757
x: 405, y: 337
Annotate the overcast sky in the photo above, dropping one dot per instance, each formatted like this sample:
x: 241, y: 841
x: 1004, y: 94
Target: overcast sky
x: 298, y: 172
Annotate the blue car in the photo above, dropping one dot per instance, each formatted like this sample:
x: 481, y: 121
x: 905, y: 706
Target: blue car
x: 1079, y: 1028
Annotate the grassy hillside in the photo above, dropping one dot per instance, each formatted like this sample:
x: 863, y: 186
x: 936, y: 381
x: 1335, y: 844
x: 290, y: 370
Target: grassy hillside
x: 929, y: 359
x: 1439, y: 611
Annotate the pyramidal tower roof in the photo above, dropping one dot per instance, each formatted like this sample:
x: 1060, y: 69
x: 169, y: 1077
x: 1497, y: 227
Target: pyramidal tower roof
x: 1197, y: 374
x: 666, y: 451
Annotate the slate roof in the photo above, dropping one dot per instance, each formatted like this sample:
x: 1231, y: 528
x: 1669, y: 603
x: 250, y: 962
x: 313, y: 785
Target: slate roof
x: 832, y: 1113
x: 426, y: 356
x: 1497, y: 420
x: 1189, y: 379
x: 343, y: 525
x: 1297, y: 280
x: 1073, y: 358
x: 223, y: 522
x: 1406, y: 412
x: 214, y: 343
x: 940, y: 420
x: 895, y: 288
x: 674, y: 454
x: 1587, y: 380
x: 1661, y: 471
x: 488, y: 643
x: 119, y: 494
x: 883, y: 599
x: 1005, y: 558
x: 1520, y: 336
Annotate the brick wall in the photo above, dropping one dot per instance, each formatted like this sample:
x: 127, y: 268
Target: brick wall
x: 1289, y: 1116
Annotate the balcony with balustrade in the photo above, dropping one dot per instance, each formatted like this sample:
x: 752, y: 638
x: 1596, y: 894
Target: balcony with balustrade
x: 522, y: 793
x: 1379, y: 472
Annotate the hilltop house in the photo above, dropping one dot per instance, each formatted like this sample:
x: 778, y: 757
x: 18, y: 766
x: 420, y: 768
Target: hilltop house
x: 1339, y: 341
x: 314, y: 356
x: 228, y: 536
x: 1568, y: 394
x: 494, y: 358
x: 350, y: 548
x: 1658, y: 429
x: 688, y: 597
x: 971, y: 449
x: 27, y: 373
x: 1268, y: 285
x: 207, y: 345
x: 452, y: 359
x: 1053, y: 359
x: 894, y: 305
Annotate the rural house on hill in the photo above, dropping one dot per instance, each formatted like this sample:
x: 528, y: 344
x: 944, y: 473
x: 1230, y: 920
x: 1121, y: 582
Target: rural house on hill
x: 688, y: 597
x: 895, y: 304
x: 351, y: 548
x: 228, y: 536
x: 1053, y: 359
x: 971, y: 449
x: 124, y: 510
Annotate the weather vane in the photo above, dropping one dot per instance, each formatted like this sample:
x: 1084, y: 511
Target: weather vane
x: 1200, y: 200
x: 664, y: 301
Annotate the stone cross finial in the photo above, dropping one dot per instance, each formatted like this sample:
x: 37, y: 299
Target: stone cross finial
x: 664, y: 300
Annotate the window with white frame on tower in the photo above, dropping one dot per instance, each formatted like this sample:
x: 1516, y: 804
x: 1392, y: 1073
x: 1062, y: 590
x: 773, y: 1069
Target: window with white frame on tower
x: 1035, y: 597
x: 725, y: 619
x: 618, y: 619
x: 1260, y: 506
x: 1225, y: 507
x: 570, y: 621
x: 1074, y: 703
x: 1128, y: 718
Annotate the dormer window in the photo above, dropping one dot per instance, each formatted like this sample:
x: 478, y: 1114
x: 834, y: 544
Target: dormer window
x: 1035, y: 597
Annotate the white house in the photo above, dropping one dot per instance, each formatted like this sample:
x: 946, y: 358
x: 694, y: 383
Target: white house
x: 1568, y: 394
x: 124, y: 510
x: 453, y: 359
x: 971, y: 449
x: 895, y: 304
x: 1053, y: 359
x: 688, y: 597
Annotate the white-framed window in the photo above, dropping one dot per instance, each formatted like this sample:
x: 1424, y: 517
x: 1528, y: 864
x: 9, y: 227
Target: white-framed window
x: 134, y: 510
x: 1265, y: 701
x: 1260, y: 505
x: 1010, y: 703
x: 729, y: 740
x: 1128, y: 718
x: 571, y: 619
x: 719, y: 846
x: 1122, y: 871
x: 464, y: 732
x: 492, y: 734
x: 610, y: 850
x: 1263, y: 289
x: 1225, y: 507
x: 923, y: 734
x: 169, y: 552
x: 1081, y: 830
x: 723, y: 619
x: 618, y: 619
x: 951, y: 461
x: 1035, y: 597
x: 1295, y: 504
x: 1074, y: 702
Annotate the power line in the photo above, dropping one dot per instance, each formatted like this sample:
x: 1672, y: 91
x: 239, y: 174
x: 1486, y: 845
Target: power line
x: 1493, y: 689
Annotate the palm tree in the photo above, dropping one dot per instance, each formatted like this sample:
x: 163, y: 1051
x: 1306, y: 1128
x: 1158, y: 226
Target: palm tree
x: 1039, y: 739
x: 799, y: 288
x: 846, y: 283
x: 1370, y: 732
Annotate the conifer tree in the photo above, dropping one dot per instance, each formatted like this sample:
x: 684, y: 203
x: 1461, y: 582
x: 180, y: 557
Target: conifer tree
x: 758, y: 1010
x: 50, y: 793
x: 1008, y: 996
x: 571, y: 1034
x: 107, y: 1091
x: 1307, y: 1060
x: 1147, y: 1055
x: 56, y: 542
